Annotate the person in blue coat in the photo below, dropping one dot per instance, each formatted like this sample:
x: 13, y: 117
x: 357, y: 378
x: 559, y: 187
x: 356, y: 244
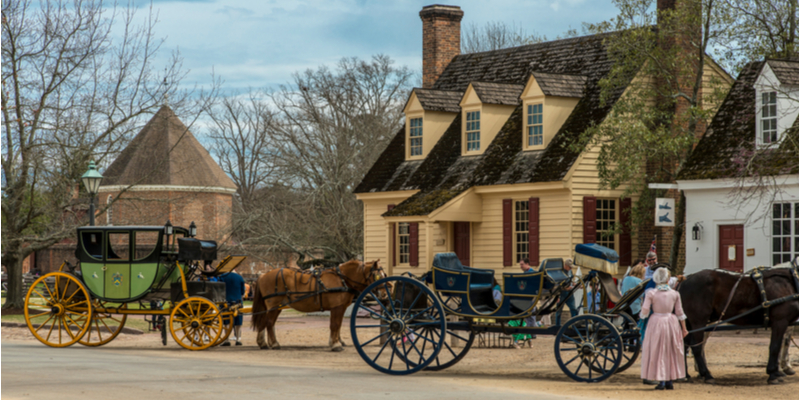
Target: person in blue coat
x: 234, y: 291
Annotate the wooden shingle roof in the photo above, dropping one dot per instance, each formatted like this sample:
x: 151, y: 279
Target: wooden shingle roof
x: 563, y: 85
x: 785, y: 71
x: 444, y: 173
x: 439, y: 100
x: 166, y: 153
x: 498, y: 93
x: 730, y: 138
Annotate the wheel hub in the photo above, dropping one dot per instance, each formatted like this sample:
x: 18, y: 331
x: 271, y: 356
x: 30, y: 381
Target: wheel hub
x: 57, y: 309
x: 195, y: 324
x: 587, y: 349
x: 397, y: 326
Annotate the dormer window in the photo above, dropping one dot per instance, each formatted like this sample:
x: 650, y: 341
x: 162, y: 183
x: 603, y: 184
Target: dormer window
x: 473, y: 130
x: 769, y: 117
x: 415, y: 135
x: 534, y: 125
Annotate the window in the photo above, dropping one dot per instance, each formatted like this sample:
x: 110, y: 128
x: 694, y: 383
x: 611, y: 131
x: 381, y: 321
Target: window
x: 118, y: 246
x: 769, y: 117
x: 415, y: 133
x: 521, y: 250
x: 534, y: 125
x: 109, y: 220
x: 784, y: 232
x: 473, y: 131
x: 404, y: 243
x: 606, y: 220
x: 144, y: 244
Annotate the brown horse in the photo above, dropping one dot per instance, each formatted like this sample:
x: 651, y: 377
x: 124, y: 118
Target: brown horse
x: 705, y: 294
x: 330, y: 289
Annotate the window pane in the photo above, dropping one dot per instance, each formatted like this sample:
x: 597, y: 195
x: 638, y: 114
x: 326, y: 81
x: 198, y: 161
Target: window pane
x: 776, y: 245
x: 776, y: 227
x: 118, y: 246
x: 776, y: 210
x: 787, y: 227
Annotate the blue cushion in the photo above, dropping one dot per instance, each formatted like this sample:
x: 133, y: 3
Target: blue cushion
x: 597, y: 251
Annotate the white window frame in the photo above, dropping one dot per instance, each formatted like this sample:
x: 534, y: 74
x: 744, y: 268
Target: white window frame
x: 778, y: 235
x: 521, y: 231
x: 476, y: 129
x: 403, y: 234
x: 532, y: 122
x: 599, y: 221
x: 412, y: 129
x: 771, y: 107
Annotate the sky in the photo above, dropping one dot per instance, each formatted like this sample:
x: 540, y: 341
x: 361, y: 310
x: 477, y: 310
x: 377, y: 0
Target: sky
x: 259, y: 44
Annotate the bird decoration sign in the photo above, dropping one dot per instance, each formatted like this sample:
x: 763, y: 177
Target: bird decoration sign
x: 665, y: 211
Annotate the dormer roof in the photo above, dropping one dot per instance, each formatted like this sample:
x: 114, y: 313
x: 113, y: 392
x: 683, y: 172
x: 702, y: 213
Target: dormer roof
x: 498, y: 93
x: 165, y: 152
x: 785, y: 71
x: 563, y: 85
x: 438, y: 100
x: 730, y: 138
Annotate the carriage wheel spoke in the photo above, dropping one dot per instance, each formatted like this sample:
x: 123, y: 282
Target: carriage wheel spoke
x: 419, y: 313
x: 412, y: 303
x: 376, y: 337
x: 363, y: 307
x: 382, y: 348
x: 43, y: 324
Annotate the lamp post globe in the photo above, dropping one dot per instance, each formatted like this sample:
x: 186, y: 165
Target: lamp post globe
x: 91, y: 180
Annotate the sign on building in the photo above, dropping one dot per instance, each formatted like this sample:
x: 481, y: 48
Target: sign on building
x: 665, y: 212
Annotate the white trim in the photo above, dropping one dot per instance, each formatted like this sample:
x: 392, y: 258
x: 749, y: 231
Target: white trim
x: 662, y: 186
x: 166, y: 188
x: 732, y: 183
x: 398, y: 194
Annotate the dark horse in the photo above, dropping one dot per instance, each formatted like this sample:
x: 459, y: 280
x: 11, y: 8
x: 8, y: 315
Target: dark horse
x: 705, y: 294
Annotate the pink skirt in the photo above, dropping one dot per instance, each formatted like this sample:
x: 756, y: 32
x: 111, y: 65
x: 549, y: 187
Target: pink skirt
x: 662, y: 350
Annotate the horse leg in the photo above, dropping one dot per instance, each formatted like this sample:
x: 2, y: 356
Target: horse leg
x: 778, y: 331
x: 262, y: 344
x: 337, y: 314
x: 698, y: 346
x: 272, y: 318
x: 785, y: 365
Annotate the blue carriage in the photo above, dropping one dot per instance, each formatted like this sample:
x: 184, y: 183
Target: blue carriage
x: 430, y: 322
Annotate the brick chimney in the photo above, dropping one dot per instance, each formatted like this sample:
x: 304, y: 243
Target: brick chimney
x: 441, y: 39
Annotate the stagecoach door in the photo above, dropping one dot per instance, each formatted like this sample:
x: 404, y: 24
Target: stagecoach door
x: 118, y: 265
x: 461, y: 242
x: 731, y: 247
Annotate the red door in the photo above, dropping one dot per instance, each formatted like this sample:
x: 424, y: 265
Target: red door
x: 731, y: 247
x: 461, y: 241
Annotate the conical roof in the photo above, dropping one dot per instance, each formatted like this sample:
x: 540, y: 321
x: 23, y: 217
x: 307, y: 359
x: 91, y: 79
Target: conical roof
x: 166, y: 153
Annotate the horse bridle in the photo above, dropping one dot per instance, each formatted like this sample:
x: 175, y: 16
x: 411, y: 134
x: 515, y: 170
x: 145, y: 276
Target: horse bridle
x: 376, y: 271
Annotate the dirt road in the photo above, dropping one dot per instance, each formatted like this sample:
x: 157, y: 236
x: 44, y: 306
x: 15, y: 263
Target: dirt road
x: 304, y: 368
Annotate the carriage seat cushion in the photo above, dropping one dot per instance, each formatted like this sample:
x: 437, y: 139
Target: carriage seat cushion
x: 479, y: 278
x: 594, y: 250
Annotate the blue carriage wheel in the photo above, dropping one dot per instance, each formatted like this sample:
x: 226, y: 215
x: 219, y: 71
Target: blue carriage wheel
x: 457, y: 342
x: 588, y: 348
x: 631, y: 342
x: 395, y: 338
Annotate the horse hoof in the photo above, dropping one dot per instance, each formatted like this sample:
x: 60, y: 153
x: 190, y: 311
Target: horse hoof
x: 263, y: 347
x: 337, y: 349
x: 710, y: 381
x: 775, y: 381
x: 789, y: 371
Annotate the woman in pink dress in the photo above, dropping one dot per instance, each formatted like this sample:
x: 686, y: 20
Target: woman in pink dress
x: 662, y: 350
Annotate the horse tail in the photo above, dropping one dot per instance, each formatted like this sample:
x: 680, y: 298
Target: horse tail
x: 259, y: 321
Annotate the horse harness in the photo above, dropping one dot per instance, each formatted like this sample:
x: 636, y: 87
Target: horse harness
x: 321, y: 288
x: 758, y: 276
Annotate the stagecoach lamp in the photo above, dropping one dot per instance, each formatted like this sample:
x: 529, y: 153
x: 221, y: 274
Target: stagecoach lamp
x: 168, y: 228
x: 696, y: 232
x: 91, y: 179
x: 192, y: 229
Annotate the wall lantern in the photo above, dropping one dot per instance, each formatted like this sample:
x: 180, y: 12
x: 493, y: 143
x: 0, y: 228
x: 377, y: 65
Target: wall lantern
x: 192, y: 229
x: 168, y: 228
x: 91, y: 179
x: 696, y: 229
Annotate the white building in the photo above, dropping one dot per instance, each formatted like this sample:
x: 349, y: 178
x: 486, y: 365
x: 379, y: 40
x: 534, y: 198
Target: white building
x: 741, y: 182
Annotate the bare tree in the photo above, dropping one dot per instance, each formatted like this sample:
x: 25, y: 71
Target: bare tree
x: 496, y: 35
x: 70, y: 95
x: 325, y: 131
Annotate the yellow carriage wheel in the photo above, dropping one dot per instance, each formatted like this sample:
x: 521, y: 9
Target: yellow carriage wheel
x: 105, y: 326
x: 195, y: 323
x: 58, y: 309
x: 226, y: 328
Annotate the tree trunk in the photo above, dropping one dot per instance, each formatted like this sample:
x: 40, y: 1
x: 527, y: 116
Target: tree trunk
x: 14, y: 296
x: 677, y: 234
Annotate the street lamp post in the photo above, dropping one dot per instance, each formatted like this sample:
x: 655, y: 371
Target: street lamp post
x: 91, y: 180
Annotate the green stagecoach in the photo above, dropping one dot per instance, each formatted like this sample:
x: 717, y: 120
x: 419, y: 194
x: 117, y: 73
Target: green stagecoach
x: 133, y: 270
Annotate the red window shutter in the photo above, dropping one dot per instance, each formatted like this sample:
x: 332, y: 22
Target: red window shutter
x: 508, y: 223
x: 625, y: 243
x: 413, y: 245
x: 533, y: 230
x: 589, y: 219
x: 393, y: 251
